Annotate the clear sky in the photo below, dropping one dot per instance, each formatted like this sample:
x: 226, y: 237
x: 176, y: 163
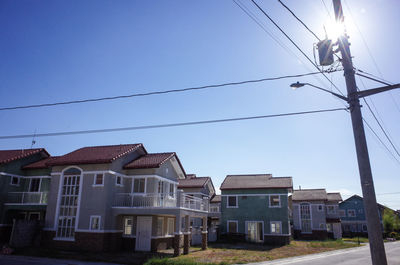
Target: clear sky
x: 66, y: 50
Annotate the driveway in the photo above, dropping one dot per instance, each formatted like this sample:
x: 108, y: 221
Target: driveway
x: 353, y: 256
x: 24, y: 260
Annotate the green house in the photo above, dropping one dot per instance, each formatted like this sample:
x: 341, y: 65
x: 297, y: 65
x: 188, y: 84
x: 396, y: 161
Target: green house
x: 23, y: 191
x: 254, y: 208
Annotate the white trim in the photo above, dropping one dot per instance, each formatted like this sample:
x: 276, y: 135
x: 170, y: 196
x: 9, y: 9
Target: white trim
x: 18, y: 181
x: 116, y: 181
x: 163, y: 208
x: 347, y: 212
x: 258, y: 194
x: 280, y: 227
x: 246, y: 228
x: 95, y: 178
x: 91, y: 220
x: 237, y: 201
x: 133, y: 186
x: 8, y: 174
x: 269, y: 201
x: 276, y: 234
x: 166, y: 236
x: 64, y: 239
x: 232, y: 221
x: 97, y: 231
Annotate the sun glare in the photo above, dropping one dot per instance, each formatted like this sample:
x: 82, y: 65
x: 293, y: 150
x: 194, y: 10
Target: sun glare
x: 334, y: 30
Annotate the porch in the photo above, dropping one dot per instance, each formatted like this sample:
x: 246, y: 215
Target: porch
x: 27, y: 198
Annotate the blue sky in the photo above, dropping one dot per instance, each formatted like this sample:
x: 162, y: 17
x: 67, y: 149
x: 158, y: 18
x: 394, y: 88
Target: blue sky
x: 65, y: 50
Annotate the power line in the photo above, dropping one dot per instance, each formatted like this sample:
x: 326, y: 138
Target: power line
x: 290, y: 39
x: 155, y: 92
x: 380, y: 140
x: 298, y: 19
x: 167, y: 125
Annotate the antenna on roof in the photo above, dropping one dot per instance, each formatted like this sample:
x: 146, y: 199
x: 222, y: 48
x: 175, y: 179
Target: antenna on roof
x: 33, y: 139
x: 299, y: 187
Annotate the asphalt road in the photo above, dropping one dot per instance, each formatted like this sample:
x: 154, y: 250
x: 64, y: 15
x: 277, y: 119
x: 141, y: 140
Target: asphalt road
x: 353, y: 256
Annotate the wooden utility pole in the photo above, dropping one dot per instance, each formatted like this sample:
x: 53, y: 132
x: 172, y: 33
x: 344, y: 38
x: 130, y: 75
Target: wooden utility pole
x: 377, y: 248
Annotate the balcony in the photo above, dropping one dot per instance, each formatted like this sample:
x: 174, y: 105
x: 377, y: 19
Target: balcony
x: 27, y: 198
x: 160, y: 200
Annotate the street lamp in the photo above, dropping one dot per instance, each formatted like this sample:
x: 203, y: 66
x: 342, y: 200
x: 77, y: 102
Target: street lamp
x: 298, y: 84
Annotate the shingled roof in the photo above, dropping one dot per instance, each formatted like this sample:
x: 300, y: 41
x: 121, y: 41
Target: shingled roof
x: 7, y: 156
x: 334, y: 196
x: 44, y: 163
x: 95, y: 154
x: 309, y: 195
x: 216, y: 199
x: 258, y: 181
x: 149, y: 161
x: 197, y: 182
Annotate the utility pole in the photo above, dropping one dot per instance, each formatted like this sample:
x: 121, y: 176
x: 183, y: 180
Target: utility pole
x: 377, y: 248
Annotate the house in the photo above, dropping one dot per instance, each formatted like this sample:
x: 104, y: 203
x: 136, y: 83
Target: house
x: 202, y: 188
x: 214, y: 216
x: 315, y: 214
x: 106, y: 198
x: 353, y: 218
x: 255, y: 208
x: 23, y: 192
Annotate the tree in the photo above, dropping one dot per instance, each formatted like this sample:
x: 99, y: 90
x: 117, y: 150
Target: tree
x: 391, y: 221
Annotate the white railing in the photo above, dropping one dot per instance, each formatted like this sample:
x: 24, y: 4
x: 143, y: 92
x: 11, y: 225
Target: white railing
x: 160, y: 200
x: 146, y: 200
x: 194, y: 203
x: 27, y: 198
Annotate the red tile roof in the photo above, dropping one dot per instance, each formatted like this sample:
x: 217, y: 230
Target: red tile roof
x: 44, y: 163
x: 257, y: 181
x: 197, y: 182
x: 7, y: 156
x: 149, y: 161
x: 95, y: 154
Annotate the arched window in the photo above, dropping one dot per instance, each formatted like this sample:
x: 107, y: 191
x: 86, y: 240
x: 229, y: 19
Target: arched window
x: 68, y: 207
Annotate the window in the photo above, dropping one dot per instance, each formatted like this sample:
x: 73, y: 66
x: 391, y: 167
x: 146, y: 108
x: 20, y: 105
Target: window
x: 320, y: 208
x: 98, y: 180
x: 14, y: 181
x: 331, y: 209
x: 138, y: 185
x: 364, y: 228
x: 128, y: 225
x: 322, y: 226
x: 170, y: 226
x: 160, y: 226
x: 276, y: 227
x: 95, y: 222
x: 351, y: 213
x: 360, y: 211
x: 232, y: 202
x: 329, y: 227
x: 214, y: 209
x: 232, y: 226
x: 34, y: 185
x: 68, y: 206
x: 172, y: 190
x: 274, y: 201
x: 34, y: 216
x: 342, y: 213
x: 305, y: 216
x: 118, y: 181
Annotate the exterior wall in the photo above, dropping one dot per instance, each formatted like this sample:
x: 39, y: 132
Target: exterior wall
x: 255, y: 208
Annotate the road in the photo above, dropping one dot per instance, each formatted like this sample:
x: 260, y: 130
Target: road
x: 353, y: 256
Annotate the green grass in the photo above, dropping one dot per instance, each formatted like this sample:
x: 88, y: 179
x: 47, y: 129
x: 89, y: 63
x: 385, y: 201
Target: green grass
x: 181, y: 261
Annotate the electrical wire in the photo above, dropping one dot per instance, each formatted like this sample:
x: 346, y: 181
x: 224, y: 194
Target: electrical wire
x: 155, y: 92
x: 294, y: 43
x: 167, y: 125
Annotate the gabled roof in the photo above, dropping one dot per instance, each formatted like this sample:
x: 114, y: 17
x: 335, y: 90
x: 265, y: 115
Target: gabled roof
x: 7, y: 156
x: 216, y: 199
x: 197, y: 182
x: 95, y: 154
x: 309, y: 195
x: 355, y: 196
x: 44, y: 163
x: 334, y: 196
x: 149, y: 161
x: 258, y: 181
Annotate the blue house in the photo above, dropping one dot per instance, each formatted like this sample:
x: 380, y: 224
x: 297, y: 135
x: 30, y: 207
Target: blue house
x: 352, y: 214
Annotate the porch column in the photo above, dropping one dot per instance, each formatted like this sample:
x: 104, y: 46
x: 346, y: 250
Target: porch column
x: 204, y: 237
x: 186, y: 238
x: 178, y: 238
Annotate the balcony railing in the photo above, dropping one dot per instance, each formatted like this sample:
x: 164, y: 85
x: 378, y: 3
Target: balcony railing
x: 160, y: 200
x: 27, y: 198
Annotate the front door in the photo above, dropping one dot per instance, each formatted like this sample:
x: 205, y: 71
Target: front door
x: 255, y: 232
x: 143, y: 233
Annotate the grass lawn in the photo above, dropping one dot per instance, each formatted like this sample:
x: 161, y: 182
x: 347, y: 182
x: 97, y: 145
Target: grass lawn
x: 246, y: 253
